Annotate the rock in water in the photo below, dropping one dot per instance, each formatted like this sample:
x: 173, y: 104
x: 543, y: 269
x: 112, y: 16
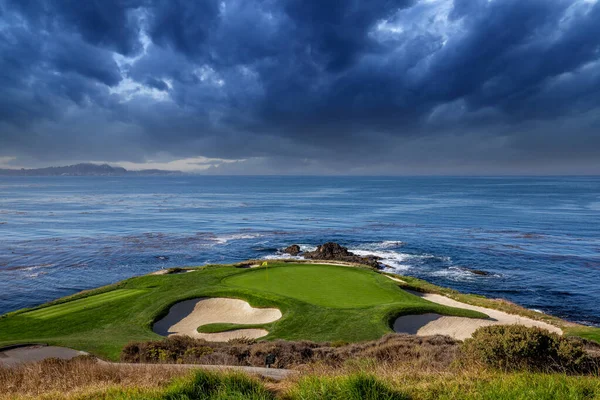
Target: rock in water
x: 329, y: 251
x: 292, y: 250
x: 476, y: 271
x: 335, y: 252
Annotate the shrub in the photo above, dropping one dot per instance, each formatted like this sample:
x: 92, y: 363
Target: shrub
x: 242, y: 340
x: 434, y: 352
x: 197, y: 352
x: 517, y: 347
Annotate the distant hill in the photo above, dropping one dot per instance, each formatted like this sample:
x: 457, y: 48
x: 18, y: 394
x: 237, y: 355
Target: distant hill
x: 84, y: 170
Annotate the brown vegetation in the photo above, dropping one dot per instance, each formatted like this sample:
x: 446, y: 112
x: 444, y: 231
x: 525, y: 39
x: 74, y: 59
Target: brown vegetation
x: 412, y: 367
x: 434, y: 351
x: 52, y: 377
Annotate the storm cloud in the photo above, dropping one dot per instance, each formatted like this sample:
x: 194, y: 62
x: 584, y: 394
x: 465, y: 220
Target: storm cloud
x: 303, y: 86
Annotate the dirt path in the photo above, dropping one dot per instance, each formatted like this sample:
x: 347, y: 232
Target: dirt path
x: 272, y: 373
x: 14, y: 357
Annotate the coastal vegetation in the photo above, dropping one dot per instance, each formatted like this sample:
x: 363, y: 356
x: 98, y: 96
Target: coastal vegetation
x: 335, y: 331
x: 318, y: 302
x: 362, y: 379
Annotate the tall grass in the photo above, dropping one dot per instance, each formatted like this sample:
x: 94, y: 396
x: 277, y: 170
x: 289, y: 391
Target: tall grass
x: 356, y: 380
x: 353, y: 387
x: 83, y: 379
x: 55, y: 378
x: 495, y: 386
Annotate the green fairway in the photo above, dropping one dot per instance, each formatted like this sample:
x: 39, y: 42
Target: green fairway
x: 318, y: 302
x: 84, y: 304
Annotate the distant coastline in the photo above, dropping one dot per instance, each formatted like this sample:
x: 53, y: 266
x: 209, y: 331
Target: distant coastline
x: 87, y: 169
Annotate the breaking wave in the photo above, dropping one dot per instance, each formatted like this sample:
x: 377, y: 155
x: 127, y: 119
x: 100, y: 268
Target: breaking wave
x: 239, y: 236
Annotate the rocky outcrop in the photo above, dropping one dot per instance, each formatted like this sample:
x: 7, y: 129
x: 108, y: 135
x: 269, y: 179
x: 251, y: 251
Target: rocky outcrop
x: 476, y: 271
x: 334, y: 252
x: 292, y: 250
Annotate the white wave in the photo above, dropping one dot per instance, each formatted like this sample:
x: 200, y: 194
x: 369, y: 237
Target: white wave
x: 35, y: 274
x: 239, y: 236
x: 282, y: 256
x: 34, y: 267
x: 386, y: 244
x: 455, y: 274
x: 398, y: 261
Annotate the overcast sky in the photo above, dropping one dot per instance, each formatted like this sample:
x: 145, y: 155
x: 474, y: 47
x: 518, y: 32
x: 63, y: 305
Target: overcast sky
x: 303, y: 86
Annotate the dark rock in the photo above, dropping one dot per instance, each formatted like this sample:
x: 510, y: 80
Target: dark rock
x: 476, y: 271
x: 293, y: 250
x: 330, y: 251
x: 335, y: 252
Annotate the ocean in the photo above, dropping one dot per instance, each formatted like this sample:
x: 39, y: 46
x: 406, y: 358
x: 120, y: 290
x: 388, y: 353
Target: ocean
x: 538, y: 238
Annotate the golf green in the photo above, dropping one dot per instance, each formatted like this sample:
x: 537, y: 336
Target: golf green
x: 327, y: 286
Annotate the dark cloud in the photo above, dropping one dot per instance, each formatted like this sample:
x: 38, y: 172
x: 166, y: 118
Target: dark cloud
x: 322, y: 86
x: 183, y: 25
x: 111, y: 24
x: 72, y: 56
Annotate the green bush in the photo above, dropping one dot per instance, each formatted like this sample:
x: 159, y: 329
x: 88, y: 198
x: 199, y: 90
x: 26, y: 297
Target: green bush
x: 516, y: 347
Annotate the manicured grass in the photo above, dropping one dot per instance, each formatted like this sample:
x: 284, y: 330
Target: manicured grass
x: 335, y: 287
x: 585, y: 332
x: 318, y: 302
x: 85, y: 304
x: 224, y: 327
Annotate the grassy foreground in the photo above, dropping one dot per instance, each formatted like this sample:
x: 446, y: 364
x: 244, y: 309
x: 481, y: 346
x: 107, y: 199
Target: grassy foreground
x: 318, y: 303
x: 83, y: 381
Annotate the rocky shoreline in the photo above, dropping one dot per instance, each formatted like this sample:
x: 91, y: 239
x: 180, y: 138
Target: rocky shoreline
x: 332, y: 251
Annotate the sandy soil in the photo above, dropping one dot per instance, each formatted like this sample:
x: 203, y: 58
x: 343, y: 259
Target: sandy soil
x: 185, y: 317
x: 396, y: 279
x: 21, y: 355
x: 166, y: 272
x: 462, y: 328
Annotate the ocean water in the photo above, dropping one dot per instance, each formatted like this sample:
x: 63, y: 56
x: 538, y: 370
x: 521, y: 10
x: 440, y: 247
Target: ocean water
x: 539, y: 238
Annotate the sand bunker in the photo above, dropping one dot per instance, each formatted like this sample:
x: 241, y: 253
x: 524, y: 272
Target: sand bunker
x: 459, y: 327
x: 185, y: 317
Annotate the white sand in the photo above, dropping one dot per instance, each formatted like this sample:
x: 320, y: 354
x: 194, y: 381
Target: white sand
x: 221, y: 310
x: 462, y: 328
x: 166, y: 272
x: 396, y: 279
